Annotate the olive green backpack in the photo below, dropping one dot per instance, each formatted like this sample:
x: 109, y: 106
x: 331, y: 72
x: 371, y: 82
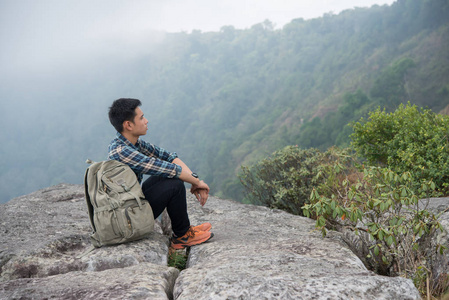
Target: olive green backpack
x: 117, y: 210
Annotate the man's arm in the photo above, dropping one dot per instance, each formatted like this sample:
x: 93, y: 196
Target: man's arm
x: 143, y: 164
x: 186, y: 173
x: 199, y: 188
x: 155, y: 151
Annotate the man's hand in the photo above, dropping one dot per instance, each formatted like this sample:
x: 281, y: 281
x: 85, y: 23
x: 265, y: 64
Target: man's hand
x: 201, y: 192
x: 201, y: 196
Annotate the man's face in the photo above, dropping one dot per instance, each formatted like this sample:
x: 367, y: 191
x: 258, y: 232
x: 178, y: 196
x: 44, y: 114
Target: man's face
x: 140, y: 124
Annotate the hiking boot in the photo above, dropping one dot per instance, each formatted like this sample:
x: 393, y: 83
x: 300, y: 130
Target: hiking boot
x: 191, y: 238
x: 203, y: 227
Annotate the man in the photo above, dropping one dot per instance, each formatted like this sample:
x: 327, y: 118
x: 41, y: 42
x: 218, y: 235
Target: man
x: 165, y: 187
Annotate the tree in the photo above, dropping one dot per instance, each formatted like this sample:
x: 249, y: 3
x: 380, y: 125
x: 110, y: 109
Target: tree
x: 389, y: 88
x: 406, y: 140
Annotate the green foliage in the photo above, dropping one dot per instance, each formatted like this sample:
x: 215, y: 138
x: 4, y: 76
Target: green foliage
x: 382, y: 204
x: 337, y: 191
x: 331, y: 130
x: 388, y: 91
x: 389, y: 88
x: 407, y: 140
x: 177, y: 259
x: 286, y: 178
x: 283, y: 180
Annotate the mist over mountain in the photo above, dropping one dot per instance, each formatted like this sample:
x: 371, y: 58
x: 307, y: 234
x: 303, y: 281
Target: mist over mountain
x: 222, y: 99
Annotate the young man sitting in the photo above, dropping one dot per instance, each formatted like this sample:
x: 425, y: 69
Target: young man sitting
x: 165, y: 187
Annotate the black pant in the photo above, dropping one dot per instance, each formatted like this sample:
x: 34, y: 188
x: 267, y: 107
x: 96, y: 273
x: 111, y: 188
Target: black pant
x: 168, y: 193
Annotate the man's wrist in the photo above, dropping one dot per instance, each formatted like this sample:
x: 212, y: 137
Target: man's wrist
x: 194, y: 175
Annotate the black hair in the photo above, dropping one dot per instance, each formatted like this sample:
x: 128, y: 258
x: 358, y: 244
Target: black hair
x: 121, y: 110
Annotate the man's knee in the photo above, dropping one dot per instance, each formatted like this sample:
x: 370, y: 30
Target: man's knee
x: 178, y: 184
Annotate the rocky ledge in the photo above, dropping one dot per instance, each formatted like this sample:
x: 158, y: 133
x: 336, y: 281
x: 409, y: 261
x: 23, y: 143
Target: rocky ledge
x: 256, y: 253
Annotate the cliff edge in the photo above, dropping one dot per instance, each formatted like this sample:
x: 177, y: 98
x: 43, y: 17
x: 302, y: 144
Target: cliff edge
x: 256, y: 253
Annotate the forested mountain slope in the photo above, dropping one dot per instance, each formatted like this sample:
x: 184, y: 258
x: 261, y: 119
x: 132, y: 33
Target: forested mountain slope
x: 222, y: 99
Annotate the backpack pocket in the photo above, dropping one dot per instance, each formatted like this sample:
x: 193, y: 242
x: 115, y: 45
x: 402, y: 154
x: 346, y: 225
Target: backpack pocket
x: 139, y: 220
x: 126, y: 223
x: 107, y: 226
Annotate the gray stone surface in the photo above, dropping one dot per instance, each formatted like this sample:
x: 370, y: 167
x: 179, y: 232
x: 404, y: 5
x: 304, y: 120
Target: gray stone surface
x: 256, y: 253
x: 143, y: 281
x: 44, y: 247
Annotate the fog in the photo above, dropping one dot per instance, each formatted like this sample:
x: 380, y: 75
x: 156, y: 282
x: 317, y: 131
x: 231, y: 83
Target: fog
x: 59, y: 61
x: 49, y: 35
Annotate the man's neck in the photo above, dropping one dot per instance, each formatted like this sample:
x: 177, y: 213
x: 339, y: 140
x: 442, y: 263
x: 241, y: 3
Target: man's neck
x: 133, y: 139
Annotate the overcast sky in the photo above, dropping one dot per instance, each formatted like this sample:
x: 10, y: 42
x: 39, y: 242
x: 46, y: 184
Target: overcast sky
x: 42, y: 34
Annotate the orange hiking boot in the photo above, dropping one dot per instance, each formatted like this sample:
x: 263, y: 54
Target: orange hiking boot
x: 191, y: 238
x: 203, y: 227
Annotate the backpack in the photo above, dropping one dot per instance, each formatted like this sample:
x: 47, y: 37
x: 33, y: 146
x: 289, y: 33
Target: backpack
x: 117, y: 209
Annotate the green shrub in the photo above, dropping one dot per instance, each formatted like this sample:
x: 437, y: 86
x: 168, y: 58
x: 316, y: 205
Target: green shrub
x: 385, y: 207
x: 286, y: 178
x: 283, y: 180
x: 410, y: 153
x: 407, y: 140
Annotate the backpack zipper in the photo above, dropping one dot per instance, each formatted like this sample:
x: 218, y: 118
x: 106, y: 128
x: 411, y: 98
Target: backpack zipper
x: 128, y: 219
x: 115, y: 174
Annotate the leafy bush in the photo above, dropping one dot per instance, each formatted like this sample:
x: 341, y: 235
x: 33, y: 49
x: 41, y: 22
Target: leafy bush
x: 407, y: 140
x: 284, y: 180
x: 382, y: 205
x: 409, y: 153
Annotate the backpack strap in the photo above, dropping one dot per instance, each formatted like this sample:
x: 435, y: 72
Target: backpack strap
x: 90, y: 208
x: 139, y: 202
x: 105, y: 208
x: 88, y: 250
x: 114, y: 205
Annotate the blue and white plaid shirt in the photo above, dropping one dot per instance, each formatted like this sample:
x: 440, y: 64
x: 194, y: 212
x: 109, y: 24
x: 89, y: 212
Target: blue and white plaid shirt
x: 144, y: 158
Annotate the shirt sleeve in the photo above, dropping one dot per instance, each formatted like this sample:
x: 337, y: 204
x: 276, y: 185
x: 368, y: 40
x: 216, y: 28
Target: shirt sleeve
x: 146, y: 164
x: 155, y: 151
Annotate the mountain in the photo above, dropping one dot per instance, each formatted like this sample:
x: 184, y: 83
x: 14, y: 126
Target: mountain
x: 222, y: 99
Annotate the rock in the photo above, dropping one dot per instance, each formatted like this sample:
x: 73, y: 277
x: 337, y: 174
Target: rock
x: 256, y: 253
x: 62, y: 257
x: 259, y: 253
x: 44, y: 243
x: 435, y: 205
x: 143, y: 281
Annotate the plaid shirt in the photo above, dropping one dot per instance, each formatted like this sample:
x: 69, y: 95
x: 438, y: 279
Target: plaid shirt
x: 144, y: 158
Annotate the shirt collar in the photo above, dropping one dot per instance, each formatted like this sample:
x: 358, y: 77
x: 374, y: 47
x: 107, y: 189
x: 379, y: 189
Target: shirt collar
x: 127, y: 142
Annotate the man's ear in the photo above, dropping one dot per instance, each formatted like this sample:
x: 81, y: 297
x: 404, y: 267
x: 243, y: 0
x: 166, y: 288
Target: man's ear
x: 127, y: 125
